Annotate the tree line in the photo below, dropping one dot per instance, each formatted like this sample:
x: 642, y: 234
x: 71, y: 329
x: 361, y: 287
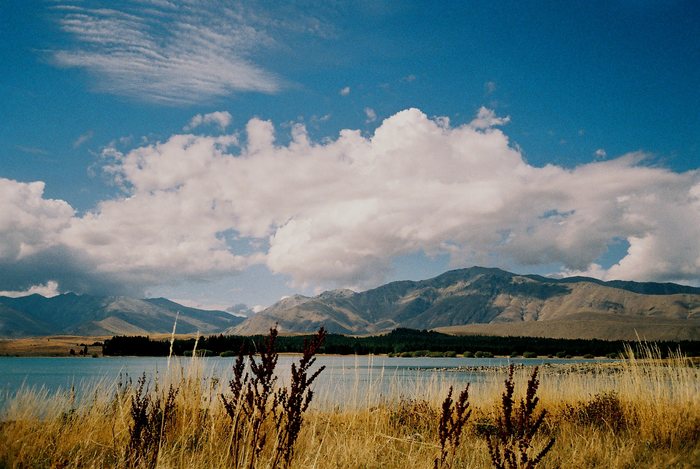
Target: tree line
x: 398, y: 342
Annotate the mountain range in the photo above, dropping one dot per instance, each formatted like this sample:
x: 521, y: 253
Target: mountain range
x: 493, y: 301
x: 476, y: 300
x: 71, y: 314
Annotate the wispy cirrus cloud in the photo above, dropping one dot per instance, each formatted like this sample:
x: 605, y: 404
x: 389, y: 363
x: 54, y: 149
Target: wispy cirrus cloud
x: 32, y: 150
x: 166, y: 52
x: 83, y: 138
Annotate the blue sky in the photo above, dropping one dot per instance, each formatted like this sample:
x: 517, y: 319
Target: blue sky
x: 224, y: 152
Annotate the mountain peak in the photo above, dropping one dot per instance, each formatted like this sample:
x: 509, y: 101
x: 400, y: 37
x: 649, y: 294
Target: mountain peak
x: 479, y: 295
x: 339, y: 293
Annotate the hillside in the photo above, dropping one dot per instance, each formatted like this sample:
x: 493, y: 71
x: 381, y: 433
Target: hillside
x: 72, y: 314
x: 521, y: 304
x: 466, y: 301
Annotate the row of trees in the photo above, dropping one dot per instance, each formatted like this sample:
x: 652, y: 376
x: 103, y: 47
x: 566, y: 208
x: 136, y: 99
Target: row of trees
x: 398, y: 341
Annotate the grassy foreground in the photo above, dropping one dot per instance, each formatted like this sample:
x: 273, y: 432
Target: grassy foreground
x: 642, y: 412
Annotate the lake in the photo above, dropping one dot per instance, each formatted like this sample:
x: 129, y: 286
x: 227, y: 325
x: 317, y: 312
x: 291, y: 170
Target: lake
x: 345, y: 377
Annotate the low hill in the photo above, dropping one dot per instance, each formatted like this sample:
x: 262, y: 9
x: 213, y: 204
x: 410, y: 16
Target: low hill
x: 72, y: 314
x: 493, y: 299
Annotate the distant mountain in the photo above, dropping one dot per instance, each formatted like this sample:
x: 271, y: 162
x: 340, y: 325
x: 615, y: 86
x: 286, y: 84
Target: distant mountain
x: 476, y: 301
x: 492, y: 296
x: 72, y: 314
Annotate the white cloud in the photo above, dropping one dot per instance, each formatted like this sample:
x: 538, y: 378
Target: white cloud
x: 370, y: 114
x: 222, y: 119
x: 338, y: 212
x: 490, y: 87
x: 600, y: 153
x: 345, y: 91
x: 167, y: 53
x: 28, y: 222
x: 48, y: 290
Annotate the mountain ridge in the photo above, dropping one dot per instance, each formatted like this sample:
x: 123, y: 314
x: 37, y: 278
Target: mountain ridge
x: 480, y: 295
x: 472, y: 300
x: 72, y: 314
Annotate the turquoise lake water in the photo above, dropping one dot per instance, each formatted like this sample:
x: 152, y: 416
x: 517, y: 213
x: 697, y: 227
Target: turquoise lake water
x: 345, y: 377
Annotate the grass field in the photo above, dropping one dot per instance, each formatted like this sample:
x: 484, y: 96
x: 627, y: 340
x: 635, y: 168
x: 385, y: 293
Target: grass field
x: 53, y: 346
x: 60, y: 345
x: 639, y: 413
x: 589, y: 326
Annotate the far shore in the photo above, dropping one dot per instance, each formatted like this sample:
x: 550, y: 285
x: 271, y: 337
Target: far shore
x: 61, y: 345
x: 91, y: 346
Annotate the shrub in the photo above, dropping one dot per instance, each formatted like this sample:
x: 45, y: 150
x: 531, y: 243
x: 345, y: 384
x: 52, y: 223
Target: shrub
x: 412, y: 415
x: 452, y: 421
x: 150, y: 421
x: 484, y: 427
x: 253, y: 404
x: 199, y: 353
x: 529, y: 355
x: 295, y: 400
x: 481, y: 354
x: 603, y: 410
x: 510, y: 445
x: 589, y: 355
x: 468, y: 354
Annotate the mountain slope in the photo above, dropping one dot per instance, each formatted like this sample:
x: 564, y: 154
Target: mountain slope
x: 14, y: 323
x: 94, y: 315
x: 481, y: 296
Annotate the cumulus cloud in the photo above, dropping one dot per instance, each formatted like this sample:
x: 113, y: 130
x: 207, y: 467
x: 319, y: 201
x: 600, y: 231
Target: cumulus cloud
x: 165, y: 52
x: 339, y: 211
x: 345, y: 91
x: 600, y: 153
x: 29, y: 223
x: 221, y: 119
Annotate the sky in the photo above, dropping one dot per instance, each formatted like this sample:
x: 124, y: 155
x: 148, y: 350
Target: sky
x: 221, y: 152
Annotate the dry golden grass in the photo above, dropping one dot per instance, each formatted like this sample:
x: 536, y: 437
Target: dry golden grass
x: 53, y: 346
x: 60, y: 345
x: 641, y: 413
x: 588, y: 325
